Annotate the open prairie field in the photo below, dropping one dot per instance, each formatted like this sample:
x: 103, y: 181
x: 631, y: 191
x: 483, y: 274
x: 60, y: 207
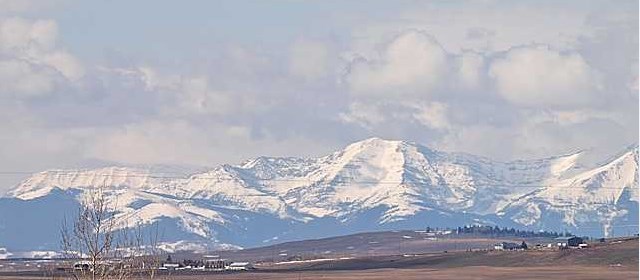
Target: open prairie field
x: 473, y: 272
x: 368, y: 244
x: 616, y: 259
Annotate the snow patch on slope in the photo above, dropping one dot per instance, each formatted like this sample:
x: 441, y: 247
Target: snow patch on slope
x: 403, y: 179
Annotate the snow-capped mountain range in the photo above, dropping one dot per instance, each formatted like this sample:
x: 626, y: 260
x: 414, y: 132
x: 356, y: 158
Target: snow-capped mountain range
x: 370, y: 185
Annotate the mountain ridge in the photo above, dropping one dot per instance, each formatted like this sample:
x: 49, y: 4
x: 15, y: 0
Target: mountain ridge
x: 369, y: 184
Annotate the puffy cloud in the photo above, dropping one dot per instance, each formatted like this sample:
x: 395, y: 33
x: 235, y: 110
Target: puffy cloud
x: 182, y: 95
x: 383, y: 116
x: 363, y: 114
x: 412, y: 64
x: 414, y: 72
x: 30, y: 62
x: 471, y: 72
x: 24, y: 37
x: 496, y: 26
x: 433, y: 115
x: 183, y: 141
x: 19, y: 78
x: 540, y: 76
x: 65, y: 63
x: 170, y: 141
x: 536, y: 96
x: 399, y: 84
x: 195, y: 95
x: 535, y: 136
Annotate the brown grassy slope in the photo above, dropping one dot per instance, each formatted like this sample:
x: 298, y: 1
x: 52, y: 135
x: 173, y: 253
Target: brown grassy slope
x: 365, y: 244
x: 624, y: 253
x: 591, y: 263
x: 460, y: 273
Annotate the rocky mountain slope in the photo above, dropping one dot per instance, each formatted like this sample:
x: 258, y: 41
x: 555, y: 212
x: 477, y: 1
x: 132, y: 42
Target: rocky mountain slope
x: 370, y: 185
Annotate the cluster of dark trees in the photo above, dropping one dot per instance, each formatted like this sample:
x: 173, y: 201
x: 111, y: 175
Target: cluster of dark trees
x: 193, y: 263
x: 186, y: 262
x: 199, y: 263
x: 498, y: 231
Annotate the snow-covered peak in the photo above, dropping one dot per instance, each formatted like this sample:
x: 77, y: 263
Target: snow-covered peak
x: 109, y: 177
x: 598, y: 195
x: 398, y: 179
x: 374, y: 143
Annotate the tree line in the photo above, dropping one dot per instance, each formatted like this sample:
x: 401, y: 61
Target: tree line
x: 499, y: 231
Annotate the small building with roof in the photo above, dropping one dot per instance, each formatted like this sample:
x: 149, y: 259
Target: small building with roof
x: 236, y: 266
x: 502, y: 246
x: 569, y: 241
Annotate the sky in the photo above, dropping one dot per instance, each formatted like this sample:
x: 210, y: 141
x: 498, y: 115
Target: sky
x: 89, y: 83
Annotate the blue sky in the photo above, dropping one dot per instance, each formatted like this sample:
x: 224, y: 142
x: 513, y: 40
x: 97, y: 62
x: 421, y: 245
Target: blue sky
x: 208, y: 82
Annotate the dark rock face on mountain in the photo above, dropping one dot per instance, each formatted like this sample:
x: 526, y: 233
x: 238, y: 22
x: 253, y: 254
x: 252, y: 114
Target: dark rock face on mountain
x: 370, y: 185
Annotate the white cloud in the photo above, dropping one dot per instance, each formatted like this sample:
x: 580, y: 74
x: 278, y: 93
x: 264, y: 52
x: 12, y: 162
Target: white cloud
x: 406, y: 81
x: 363, y: 114
x: 151, y: 78
x: 66, y: 63
x: 500, y: 24
x: 181, y: 95
x: 532, y: 100
x: 412, y: 64
x: 25, y: 37
x: 540, y: 76
x: 29, y: 54
x: 471, y: 76
x: 471, y: 73
x: 151, y: 141
x: 19, y: 78
x: 565, y: 118
x: 196, y: 96
x: 433, y: 115
x: 309, y: 59
x: 182, y: 141
x: 380, y: 114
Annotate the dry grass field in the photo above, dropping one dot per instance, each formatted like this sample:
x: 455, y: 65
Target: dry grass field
x: 368, y: 244
x: 475, y: 272
x: 613, y: 260
x: 463, y: 273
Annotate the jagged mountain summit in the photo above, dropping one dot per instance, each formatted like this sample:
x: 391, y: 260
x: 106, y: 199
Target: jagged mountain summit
x: 370, y: 185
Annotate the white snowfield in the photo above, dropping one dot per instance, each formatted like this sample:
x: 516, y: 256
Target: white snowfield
x: 403, y: 178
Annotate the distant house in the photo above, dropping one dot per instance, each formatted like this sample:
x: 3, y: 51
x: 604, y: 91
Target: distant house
x: 216, y: 264
x: 170, y: 266
x: 507, y: 246
x: 239, y: 266
x: 569, y: 241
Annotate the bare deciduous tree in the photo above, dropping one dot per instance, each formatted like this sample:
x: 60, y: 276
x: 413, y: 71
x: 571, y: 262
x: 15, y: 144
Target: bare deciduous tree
x: 104, y: 246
